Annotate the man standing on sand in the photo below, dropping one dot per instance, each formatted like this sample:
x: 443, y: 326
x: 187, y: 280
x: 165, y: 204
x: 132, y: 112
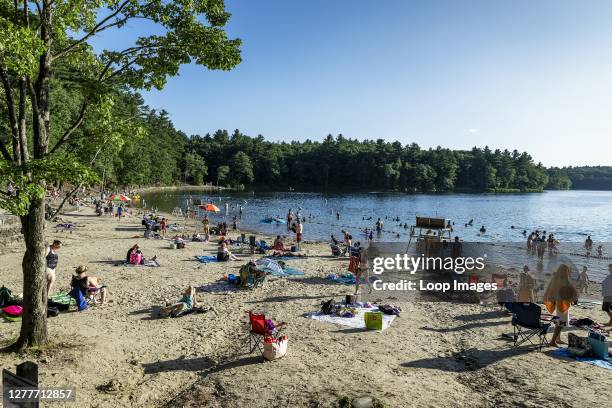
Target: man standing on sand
x: 52, y: 260
x: 298, y: 234
x: 606, y: 292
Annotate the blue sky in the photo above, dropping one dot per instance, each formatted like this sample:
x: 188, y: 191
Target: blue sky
x: 531, y: 75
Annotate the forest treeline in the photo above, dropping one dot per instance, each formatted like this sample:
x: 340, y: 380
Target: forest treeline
x: 149, y: 150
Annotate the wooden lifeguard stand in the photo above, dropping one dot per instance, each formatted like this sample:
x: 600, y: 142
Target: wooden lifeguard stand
x: 429, y: 232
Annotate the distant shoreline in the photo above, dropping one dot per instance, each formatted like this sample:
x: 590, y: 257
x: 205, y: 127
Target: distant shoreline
x: 154, y: 189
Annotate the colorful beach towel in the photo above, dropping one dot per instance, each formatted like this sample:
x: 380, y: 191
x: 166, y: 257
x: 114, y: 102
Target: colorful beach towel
x: 357, y: 322
x: 564, y: 352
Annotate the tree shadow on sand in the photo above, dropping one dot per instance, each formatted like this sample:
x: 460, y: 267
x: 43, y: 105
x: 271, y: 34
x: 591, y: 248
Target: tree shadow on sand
x: 205, y: 365
x: 280, y: 299
x: 468, y: 360
x: 467, y: 326
x: 492, y: 314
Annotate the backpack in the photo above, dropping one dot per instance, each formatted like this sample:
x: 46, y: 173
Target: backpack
x: 327, y: 307
x: 5, y: 296
x: 135, y: 258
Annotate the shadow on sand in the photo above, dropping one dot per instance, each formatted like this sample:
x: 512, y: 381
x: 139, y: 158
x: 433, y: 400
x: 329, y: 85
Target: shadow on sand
x: 205, y: 365
x: 469, y: 360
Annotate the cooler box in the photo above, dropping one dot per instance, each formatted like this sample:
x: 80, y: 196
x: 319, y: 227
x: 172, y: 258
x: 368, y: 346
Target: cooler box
x: 599, y: 345
x: 374, y: 320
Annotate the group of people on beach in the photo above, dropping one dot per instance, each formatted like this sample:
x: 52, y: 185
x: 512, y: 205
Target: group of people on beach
x: 89, y: 286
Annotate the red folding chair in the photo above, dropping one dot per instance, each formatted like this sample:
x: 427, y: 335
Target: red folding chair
x: 257, y: 332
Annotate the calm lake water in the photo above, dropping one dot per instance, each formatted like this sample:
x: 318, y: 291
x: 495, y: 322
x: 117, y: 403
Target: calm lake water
x: 570, y: 215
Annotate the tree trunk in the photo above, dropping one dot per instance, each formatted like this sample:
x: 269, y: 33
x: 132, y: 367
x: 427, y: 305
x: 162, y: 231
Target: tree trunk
x: 34, y: 318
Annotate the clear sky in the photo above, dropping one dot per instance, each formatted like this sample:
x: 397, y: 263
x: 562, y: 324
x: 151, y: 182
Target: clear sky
x: 530, y: 75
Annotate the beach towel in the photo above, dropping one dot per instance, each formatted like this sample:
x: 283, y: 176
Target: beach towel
x: 207, y: 258
x: 286, y: 271
x: 61, y: 297
x: 564, y: 352
x: 149, y: 262
x: 347, y: 279
x: 357, y: 321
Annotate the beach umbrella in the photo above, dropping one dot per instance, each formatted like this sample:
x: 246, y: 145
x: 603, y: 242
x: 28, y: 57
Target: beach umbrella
x: 119, y: 197
x: 209, y: 207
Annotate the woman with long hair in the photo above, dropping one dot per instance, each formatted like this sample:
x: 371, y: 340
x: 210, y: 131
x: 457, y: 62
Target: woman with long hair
x: 559, y: 295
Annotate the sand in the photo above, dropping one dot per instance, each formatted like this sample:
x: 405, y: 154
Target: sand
x: 120, y: 354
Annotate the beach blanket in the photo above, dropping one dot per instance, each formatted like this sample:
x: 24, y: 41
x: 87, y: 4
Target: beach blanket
x: 207, y: 258
x: 286, y: 271
x: 150, y: 263
x: 564, y: 352
x: 347, y: 279
x: 357, y: 322
x: 65, y: 227
x: 61, y: 297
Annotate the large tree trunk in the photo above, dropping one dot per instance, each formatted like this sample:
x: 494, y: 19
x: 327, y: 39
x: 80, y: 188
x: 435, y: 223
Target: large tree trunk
x: 34, y: 318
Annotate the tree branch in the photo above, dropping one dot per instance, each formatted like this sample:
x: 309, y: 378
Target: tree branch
x: 72, y: 127
x: 96, y: 29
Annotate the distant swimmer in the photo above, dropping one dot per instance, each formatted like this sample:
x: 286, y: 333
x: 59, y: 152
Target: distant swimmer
x: 470, y: 222
x: 524, y: 232
x: 483, y: 229
x: 512, y: 227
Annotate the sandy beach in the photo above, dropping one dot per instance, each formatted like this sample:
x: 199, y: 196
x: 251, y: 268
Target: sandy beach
x: 121, y: 354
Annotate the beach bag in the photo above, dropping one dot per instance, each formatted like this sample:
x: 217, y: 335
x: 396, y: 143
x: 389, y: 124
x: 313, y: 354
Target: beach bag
x: 327, y: 307
x: 275, y: 348
x: 135, y: 258
x: 52, y: 311
x: 373, y: 320
x: 353, y: 264
x: 599, y: 345
x: 13, y: 310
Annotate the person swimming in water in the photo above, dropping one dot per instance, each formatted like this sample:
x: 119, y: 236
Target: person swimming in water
x: 483, y: 229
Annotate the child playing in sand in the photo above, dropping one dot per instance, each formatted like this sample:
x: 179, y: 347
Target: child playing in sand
x: 187, y: 302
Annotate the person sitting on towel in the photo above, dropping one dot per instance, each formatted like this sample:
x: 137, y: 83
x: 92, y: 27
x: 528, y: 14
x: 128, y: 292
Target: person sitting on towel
x: 223, y: 253
x: 90, y: 286
x: 135, y: 249
x: 187, y: 302
x: 278, y: 244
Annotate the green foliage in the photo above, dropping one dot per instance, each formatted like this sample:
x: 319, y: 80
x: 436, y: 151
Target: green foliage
x: 343, y: 163
x: 19, y: 48
x: 28, y: 180
x: 589, y: 177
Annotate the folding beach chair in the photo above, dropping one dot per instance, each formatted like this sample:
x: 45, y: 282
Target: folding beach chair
x: 527, y: 323
x: 258, y: 330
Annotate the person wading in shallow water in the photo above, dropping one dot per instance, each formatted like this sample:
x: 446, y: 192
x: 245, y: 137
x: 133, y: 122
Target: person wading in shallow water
x: 52, y: 260
x: 298, y: 234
